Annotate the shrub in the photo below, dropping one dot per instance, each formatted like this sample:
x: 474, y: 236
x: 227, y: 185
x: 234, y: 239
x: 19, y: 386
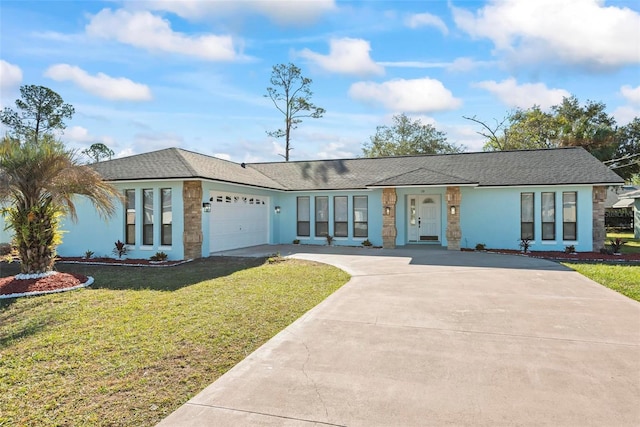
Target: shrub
x: 367, y: 243
x: 120, y: 249
x: 296, y: 241
x: 159, y: 256
x: 569, y: 249
x: 616, y: 244
x: 525, y: 244
x: 481, y: 247
x: 88, y: 254
x: 329, y: 239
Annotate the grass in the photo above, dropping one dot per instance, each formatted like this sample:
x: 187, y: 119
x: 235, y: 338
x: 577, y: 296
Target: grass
x: 624, y: 279
x: 631, y: 246
x: 141, y: 342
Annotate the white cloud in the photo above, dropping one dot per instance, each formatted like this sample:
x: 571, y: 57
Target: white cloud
x: 284, y: 12
x: 631, y: 94
x: 79, y: 138
x: 525, y: 95
x: 102, y: 85
x: 426, y: 20
x: 625, y: 114
x: 412, y: 96
x: 346, y: 56
x: 144, y: 30
x: 10, y: 75
x: 571, y: 32
x: 223, y: 156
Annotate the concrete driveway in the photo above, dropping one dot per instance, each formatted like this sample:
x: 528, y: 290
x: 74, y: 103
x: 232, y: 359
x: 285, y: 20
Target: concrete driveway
x: 424, y: 337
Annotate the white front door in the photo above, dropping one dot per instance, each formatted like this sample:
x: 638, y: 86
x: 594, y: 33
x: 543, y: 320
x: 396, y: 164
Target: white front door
x: 424, y: 218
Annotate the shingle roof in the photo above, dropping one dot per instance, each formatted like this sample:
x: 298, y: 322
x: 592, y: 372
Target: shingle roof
x: 176, y: 163
x: 504, y: 168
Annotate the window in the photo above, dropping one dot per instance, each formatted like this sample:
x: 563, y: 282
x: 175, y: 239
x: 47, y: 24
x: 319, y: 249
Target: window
x: 322, y: 216
x: 526, y: 216
x: 147, y: 217
x: 304, y: 228
x: 569, y: 217
x: 360, y: 216
x: 167, y: 217
x: 130, y: 217
x: 548, y: 216
x: 340, y: 216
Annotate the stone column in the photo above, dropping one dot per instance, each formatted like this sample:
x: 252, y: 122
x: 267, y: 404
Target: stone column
x: 454, y: 233
x: 389, y: 231
x: 192, y: 235
x: 599, y: 231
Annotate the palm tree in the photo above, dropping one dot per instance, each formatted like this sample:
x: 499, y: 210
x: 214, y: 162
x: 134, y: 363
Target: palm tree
x: 38, y: 183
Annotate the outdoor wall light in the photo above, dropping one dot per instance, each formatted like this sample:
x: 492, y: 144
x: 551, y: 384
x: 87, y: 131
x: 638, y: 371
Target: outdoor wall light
x: 277, y: 209
x: 387, y: 210
x: 452, y: 209
x: 206, y: 207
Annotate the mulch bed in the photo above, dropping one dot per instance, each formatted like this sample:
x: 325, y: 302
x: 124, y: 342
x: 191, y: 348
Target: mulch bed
x: 10, y: 285
x: 578, y: 256
x: 116, y: 261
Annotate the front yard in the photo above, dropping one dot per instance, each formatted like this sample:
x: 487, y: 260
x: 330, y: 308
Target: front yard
x: 141, y: 341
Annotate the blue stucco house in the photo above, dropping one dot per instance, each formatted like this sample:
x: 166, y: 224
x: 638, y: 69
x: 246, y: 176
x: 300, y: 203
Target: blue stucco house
x: 190, y: 205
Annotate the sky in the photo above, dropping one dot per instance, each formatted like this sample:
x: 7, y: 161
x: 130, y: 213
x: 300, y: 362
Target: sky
x: 144, y: 75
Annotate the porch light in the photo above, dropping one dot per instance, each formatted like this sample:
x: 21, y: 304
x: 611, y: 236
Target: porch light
x: 206, y: 207
x: 387, y: 210
x: 453, y: 210
x: 277, y: 209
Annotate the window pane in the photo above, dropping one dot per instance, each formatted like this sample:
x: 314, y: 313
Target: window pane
x: 130, y: 217
x: 147, y: 218
x: 548, y: 231
x: 303, y: 228
x: 360, y: 229
x: 569, y: 207
x: 341, y: 229
x: 360, y: 208
x: 526, y: 230
x: 526, y: 211
x: 340, y: 209
x: 322, y: 209
x: 548, y: 207
x: 167, y: 217
x: 569, y: 231
x: 322, y: 228
x: 303, y: 209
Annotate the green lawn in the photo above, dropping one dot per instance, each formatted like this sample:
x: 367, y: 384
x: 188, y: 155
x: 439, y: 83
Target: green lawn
x: 631, y: 245
x: 621, y: 278
x: 141, y: 341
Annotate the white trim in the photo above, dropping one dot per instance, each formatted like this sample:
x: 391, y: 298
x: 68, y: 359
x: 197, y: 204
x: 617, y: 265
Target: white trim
x: 542, y: 185
x: 549, y: 242
x: 423, y: 186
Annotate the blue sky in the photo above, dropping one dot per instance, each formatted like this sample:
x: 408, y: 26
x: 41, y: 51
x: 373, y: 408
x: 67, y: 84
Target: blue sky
x: 145, y: 75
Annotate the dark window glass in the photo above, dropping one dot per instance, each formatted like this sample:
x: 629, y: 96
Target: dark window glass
x: 360, y: 216
x: 130, y: 217
x: 570, y: 216
x: 526, y: 216
x: 548, y: 215
x: 167, y: 217
x: 304, y: 216
x: 340, y: 216
x: 322, y: 216
x: 147, y: 217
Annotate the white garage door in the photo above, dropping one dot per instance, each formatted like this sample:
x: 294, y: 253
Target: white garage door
x: 238, y: 221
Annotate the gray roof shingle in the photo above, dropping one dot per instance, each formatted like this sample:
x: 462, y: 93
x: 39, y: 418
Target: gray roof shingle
x: 565, y: 166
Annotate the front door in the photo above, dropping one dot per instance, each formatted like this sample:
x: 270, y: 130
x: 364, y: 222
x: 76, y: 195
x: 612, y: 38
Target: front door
x: 424, y: 218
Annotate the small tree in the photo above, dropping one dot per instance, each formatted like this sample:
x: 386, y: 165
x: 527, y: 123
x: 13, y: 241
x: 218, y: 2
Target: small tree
x: 291, y: 94
x: 408, y: 137
x: 40, y: 112
x: 98, y: 151
x: 38, y: 182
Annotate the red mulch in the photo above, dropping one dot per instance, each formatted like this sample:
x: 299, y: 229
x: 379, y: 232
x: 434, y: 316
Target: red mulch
x: 9, y: 285
x: 578, y: 256
x: 124, y: 261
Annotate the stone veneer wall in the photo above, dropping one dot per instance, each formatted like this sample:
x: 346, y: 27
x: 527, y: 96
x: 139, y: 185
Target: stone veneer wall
x: 599, y: 231
x: 389, y: 231
x: 192, y: 235
x: 454, y: 233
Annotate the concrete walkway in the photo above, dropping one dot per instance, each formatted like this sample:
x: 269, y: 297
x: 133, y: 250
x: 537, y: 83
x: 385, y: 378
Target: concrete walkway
x: 429, y: 337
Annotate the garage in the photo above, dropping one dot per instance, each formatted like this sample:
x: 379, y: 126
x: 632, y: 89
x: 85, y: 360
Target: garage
x: 238, y: 221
